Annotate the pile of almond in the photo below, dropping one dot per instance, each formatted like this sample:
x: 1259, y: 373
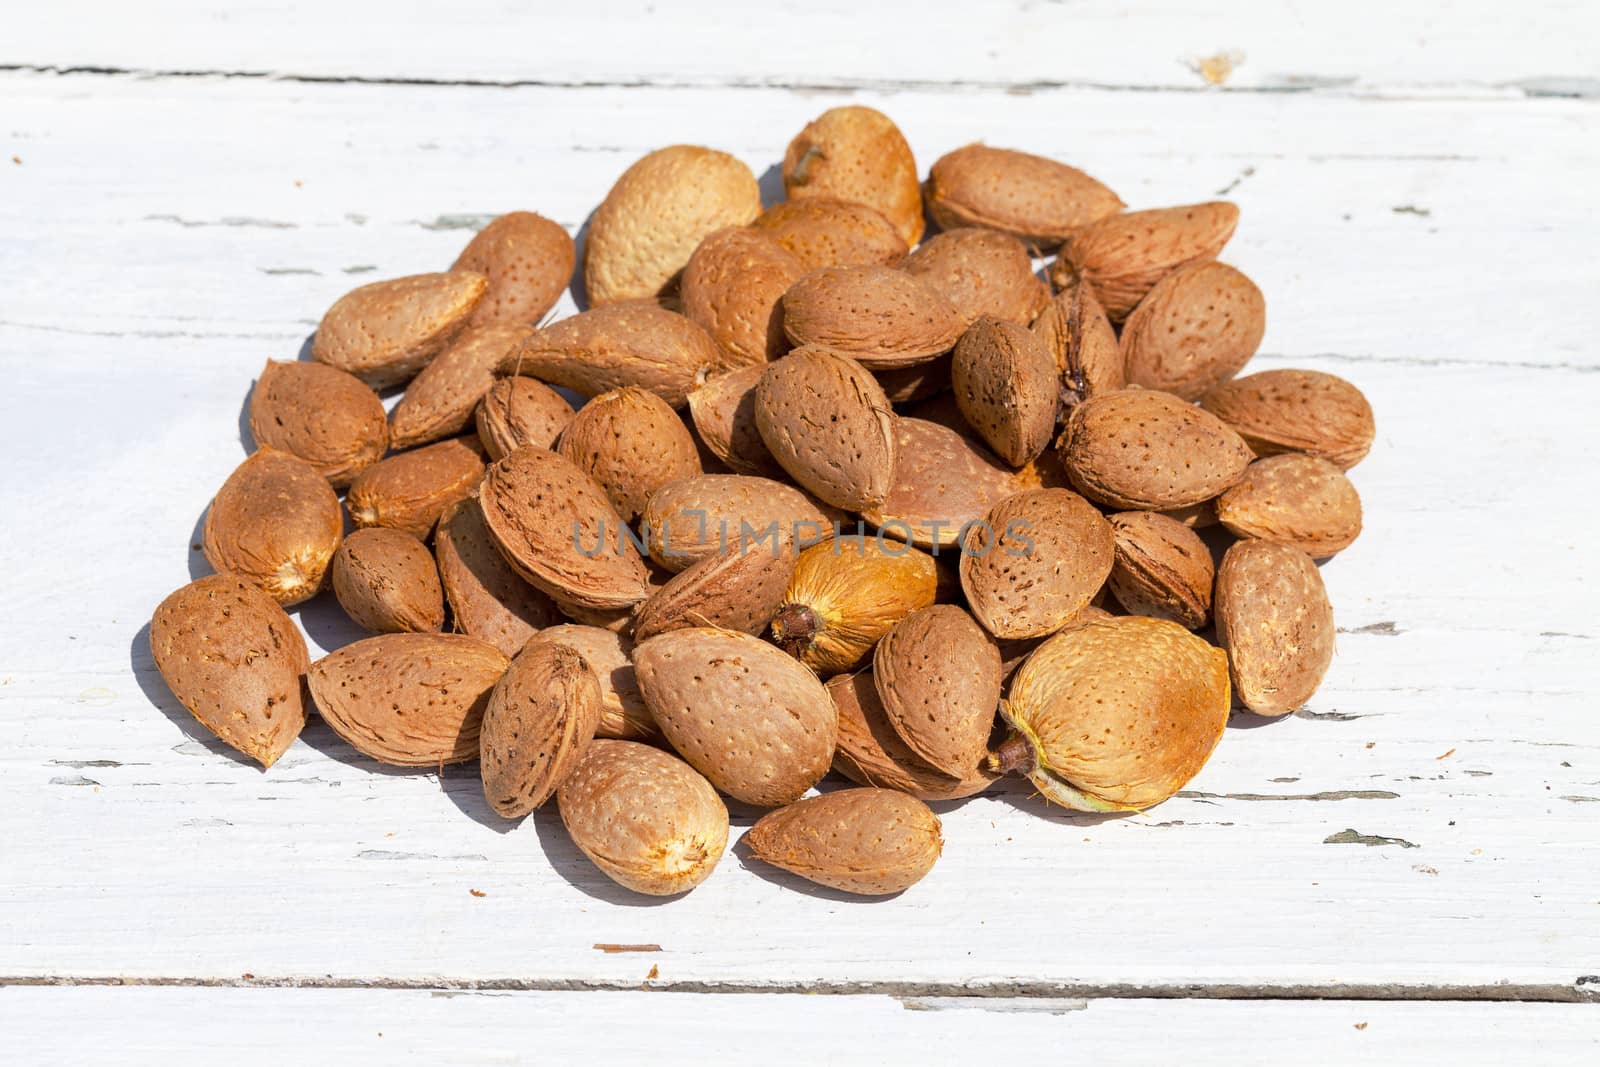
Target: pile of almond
x: 837, y: 497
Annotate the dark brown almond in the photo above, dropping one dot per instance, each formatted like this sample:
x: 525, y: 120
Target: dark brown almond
x: 234, y: 659
x: 610, y: 656
x: 275, y: 521
x: 1297, y: 500
x: 1083, y: 342
x: 410, y: 490
x: 938, y: 676
x: 1140, y: 449
x: 879, y: 316
x: 1296, y: 411
x: 537, y: 727
x: 734, y: 286
x: 519, y: 411
x: 738, y: 590
x: 981, y: 273
x: 488, y: 599
x: 328, y: 418
x: 632, y: 443
x: 1274, y: 620
x: 440, y: 402
x: 1124, y: 256
x: 384, y: 333
x: 1006, y: 386
x: 1035, y: 561
x: 826, y: 421
x: 528, y: 260
x: 724, y: 412
x: 918, y: 382
x: 857, y: 153
x: 870, y: 752
x: 942, y: 482
x: 823, y: 231
x: 1038, y: 200
x: 872, y: 842
x: 1162, y: 569
x: 387, y: 583
x: 698, y: 517
x: 1197, y: 328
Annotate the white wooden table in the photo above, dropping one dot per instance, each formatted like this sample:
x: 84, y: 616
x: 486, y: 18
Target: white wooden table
x: 1410, y: 868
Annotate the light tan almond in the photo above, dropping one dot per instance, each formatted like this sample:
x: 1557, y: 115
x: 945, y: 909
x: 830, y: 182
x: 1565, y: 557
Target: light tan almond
x: 384, y: 333
x: 276, y: 522
x: 1140, y: 449
x: 982, y: 273
x: 519, y: 411
x: 942, y: 481
x: 610, y: 655
x: 826, y: 421
x: 1196, y: 329
x: 528, y: 260
x: 734, y: 286
x: 1162, y: 569
x: 1083, y: 342
x: 870, y: 752
x: 328, y: 418
x: 439, y: 403
x: 724, y: 412
x: 1006, y: 386
x: 737, y: 590
x: 879, y: 316
x: 1297, y: 500
x: 938, y: 676
x: 823, y: 231
x: 387, y: 583
x: 1297, y: 411
x: 537, y: 727
x: 410, y: 490
x: 632, y: 443
x: 1038, y: 200
x: 1124, y: 256
x: 488, y: 599
x: 1035, y: 561
x: 698, y: 517
x: 857, y: 153
x: 1274, y: 620
x: 872, y: 842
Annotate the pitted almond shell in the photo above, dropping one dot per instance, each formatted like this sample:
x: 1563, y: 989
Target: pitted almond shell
x: 412, y: 700
x: 734, y: 285
x: 1162, y: 569
x: 519, y: 411
x: 872, y: 842
x: 528, y: 260
x: 826, y: 421
x: 410, y: 490
x: 879, y: 316
x: 1150, y: 451
x: 440, y: 402
x: 537, y: 727
x: 824, y: 231
x: 1275, y: 621
x: 870, y: 752
x: 556, y: 527
x: 857, y: 153
x: 1035, y: 561
x: 1006, y: 386
x: 938, y: 676
x: 982, y: 273
x: 387, y: 583
x: 488, y: 599
x: 1297, y: 500
x: 276, y: 522
x: 1075, y: 330
x: 737, y: 590
x: 632, y: 443
x: 610, y: 656
x: 635, y: 342
x: 724, y: 413
x: 705, y: 515
x: 234, y: 659
x: 647, y: 819
x: 1124, y: 256
x: 942, y: 481
x: 1038, y: 200
x: 659, y: 210
x: 328, y: 418
x: 385, y: 332
x: 1116, y: 714
x: 1197, y: 328
x: 1296, y: 411
x: 754, y: 721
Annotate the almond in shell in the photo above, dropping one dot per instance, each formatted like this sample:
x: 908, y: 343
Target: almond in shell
x: 537, y: 726
x: 1124, y: 256
x: 724, y: 413
x: 385, y: 332
x: 528, y: 260
x: 1302, y: 501
x: 871, y: 842
x: 1274, y: 620
x: 1162, y: 569
x: 1034, y: 561
x: 740, y: 589
x: 1196, y: 329
x: 409, y: 491
x: 1006, y: 387
x: 1081, y: 339
x: 632, y: 443
x: 519, y: 411
x: 938, y: 676
x: 734, y: 285
x: 1297, y: 411
x: 857, y: 153
x: 610, y: 656
x: 488, y: 599
x: 328, y: 418
x: 704, y: 516
x: 387, y: 583
x: 942, y: 481
x: 439, y: 403
x: 276, y: 522
x: 1150, y: 451
x: 983, y: 273
x: 880, y: 316
x: 1038, y: 200
x: 824, y: 231
x: 870, y: 752
x: 234, y: 659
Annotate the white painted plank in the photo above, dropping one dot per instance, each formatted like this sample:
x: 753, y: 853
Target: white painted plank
x: 1545, y: 46
x: 367, y: 1026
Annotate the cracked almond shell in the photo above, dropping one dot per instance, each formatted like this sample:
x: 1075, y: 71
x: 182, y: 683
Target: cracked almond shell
x: 1037, y: 200
x: 871, y: 842
x: 519, y: 411
x: 870, y: 752
x: 755, y: 722
x: 330, y: 419
x: 234, y: 659
x: 1080, y: 338
x: 556, y: 527
x: 724, y: 413
x: 1296, y: 411
x: 733, y: 286
x: 385, y: 332
x: 1124, y: 256
x: 410, y: 490
x: 1276, y: 624
x: 1162, y: 569
x: 857, y: 153
x: 942, y: 481
x: 537, y: 726
x: 982, y: 273
x: 1302, y: 501
x: 440, y: 401
x: 1149, y: 451
x: 1115, y: 714
x: 1197, y: 328
x: 275, y: 521
x: 648, y: 820
x: 845, y: 594
x: 689, y: 520
x: 411, y: 700
x: 938, y: 677
x: 632, y: 443
x: 826, y: 421
x: 1006, y: 386
x: 528, y: 260
x: 736, y: 590
x: 879, y: 316
x: 386, y: 581
x: 824, y: 231
x: 643, y: 233
x: 488, y: 599
x: 1037, y: 558
x: 610, y: 656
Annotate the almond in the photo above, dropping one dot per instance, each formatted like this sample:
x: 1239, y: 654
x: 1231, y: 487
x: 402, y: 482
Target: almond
x: 439, y: 403
x: 942, y: 482
x: 870, y: 752
x: 519, y: 411
x: 981, y: 272
x: 528, y: 260
x: 872, y: 842
x: 555, y: 526
x: 827, y: 422
x: 699, y: 517
x: 1034, y: 561
x: 409, y: 491
x: 610, y: 656
x: 1162, y: 569
x: 537, y: 727
x: 234, y: 659
x: 646, y: 819
x: 1014, y: 651
x: 1115, y: 714
x: 938, y: 676
x: 1124, y: 256
x: 909, y: 385
x: 1038, y: 200
x: 384, y: 333
x: 734, y: 285
x: 880, y: 316
x: 276, y: 522
x: 737, y: 590
x: 386, y: 582
x: 631, y: 343
x: 326, y: 417
x: 1075, y: 330
x: 1140, y: 449
x: 724, y: 412
x: 1274, y: 620
x: 1301, y: 501
x: 1197, y: 328
x: 650, y: 222
x: 489, y: 600
x: 823, y: 231
x: 755, y: 722
x: 1006, y: 387
x: 632, y: 443
x: 1296, y: 411
x: 857, y: 153
x: 411, y: 700
x: 845, y: 594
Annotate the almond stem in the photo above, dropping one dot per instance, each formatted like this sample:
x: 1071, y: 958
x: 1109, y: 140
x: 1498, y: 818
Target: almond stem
x: 1014, y: 754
